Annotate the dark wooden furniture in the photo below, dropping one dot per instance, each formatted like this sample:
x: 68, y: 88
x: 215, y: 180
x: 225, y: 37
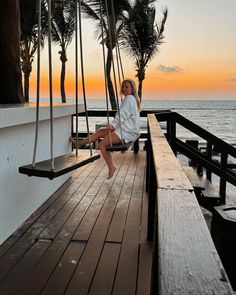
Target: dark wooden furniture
x: 62, y: 164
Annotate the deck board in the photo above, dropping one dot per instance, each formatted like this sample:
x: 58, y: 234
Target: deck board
x: 116, y: 229
x: 41, y: 273
x: 61, y: 275
x: 146, y: 249
x: 83, y: 275
x: 103, y: 280
x: 23, y: 269
x: 125, y: 281
x: 88, y: 238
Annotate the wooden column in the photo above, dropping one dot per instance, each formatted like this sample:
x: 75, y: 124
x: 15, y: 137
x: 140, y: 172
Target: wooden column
x: 10, y: 82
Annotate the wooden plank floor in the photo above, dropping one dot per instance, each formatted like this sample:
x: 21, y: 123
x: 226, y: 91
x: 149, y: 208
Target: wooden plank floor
x: 88, y: 238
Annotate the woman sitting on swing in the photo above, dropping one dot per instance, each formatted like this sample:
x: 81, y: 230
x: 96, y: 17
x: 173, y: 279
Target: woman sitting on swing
x: 125, y: 125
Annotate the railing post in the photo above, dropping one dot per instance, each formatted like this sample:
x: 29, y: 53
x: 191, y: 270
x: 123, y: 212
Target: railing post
x: 168, y: 129
x: 209, y: 156
x: 136, y: 146
x: 223, y: 164
x: 148, y: 147
x: 173, y: 135
x: 152, y: 190
x: 171, y: 132
x: 151, y: 187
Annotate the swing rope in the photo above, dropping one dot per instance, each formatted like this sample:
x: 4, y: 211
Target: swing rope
x: 113, y: 67
x: 60, y: 165
x: 119, y: 56
x: 82, y: 76
x: 38, y: 85
x: 76, y: 79
x: 50, y: 79
x: 104, y: 63
x: 119, y: 65
x: 118, y: 62
x: 104, y: 66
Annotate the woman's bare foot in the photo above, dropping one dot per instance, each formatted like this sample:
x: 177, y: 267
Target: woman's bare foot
x: 111, y: 172
x: 72, y: 140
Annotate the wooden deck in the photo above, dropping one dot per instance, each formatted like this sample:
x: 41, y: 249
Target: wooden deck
x: 88, y: 238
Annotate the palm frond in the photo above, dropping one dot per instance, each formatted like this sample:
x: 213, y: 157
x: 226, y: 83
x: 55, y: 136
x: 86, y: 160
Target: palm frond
x: 141, y: 36
x: 63, y: 24
x: 29, y: 21
x: 89, y: 11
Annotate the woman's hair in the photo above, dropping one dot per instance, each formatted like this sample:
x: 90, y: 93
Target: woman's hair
x: 134, y: 92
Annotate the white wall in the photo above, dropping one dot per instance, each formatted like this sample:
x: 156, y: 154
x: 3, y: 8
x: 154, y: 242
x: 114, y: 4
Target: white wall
x: 21, y: 195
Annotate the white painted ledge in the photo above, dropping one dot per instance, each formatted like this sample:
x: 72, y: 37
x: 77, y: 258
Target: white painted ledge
x: 16, y: 114
x: 21, y: 195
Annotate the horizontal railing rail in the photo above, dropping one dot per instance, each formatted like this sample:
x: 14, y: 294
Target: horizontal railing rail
x: 111, y: 113
x: 175, y: 118
x: 220, y: 168
x: 103, y: 113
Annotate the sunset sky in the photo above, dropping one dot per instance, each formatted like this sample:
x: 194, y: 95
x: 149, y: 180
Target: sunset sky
x: 196, y: 61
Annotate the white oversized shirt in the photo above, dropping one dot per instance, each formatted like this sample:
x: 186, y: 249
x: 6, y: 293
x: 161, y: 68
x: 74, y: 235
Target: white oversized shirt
x: 127, y: 125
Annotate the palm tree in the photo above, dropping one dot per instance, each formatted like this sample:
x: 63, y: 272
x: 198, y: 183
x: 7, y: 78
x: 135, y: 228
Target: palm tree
x: 113, y: 23
x: 10, y: 82
x: 142, y: 36
x: 29, y: 38
x: 63, y: 27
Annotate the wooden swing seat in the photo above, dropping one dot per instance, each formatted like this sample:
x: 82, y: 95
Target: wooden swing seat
x: 62, y: 165
x: 119, y: 147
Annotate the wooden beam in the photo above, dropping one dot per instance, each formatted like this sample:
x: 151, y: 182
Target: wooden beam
x: 188, y: 262
x: 170, y: 173
x: 185, y: 260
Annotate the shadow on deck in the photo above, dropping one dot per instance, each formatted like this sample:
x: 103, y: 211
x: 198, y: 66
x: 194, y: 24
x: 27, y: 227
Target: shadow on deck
x: 88, y: 238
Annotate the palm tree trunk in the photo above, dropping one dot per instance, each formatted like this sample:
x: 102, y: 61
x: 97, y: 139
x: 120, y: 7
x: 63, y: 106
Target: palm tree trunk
x: 140, y: 88
x: 11, y: 81
x: 63, y: 59
x: 63, y: 74
x: 141, y: 77
x: 26, y: 69
x: 26, y: 86
x: 109, y: 81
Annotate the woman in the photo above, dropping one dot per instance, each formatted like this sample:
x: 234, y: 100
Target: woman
x: 125, y: 125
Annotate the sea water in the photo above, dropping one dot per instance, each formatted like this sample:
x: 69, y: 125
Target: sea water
x: 216, y: 116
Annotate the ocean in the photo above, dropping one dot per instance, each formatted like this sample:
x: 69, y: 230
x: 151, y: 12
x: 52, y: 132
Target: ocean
x: 216, y: 116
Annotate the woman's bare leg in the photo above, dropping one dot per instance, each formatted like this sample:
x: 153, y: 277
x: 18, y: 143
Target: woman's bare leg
x: 101, y: 133
x: 106, y: 154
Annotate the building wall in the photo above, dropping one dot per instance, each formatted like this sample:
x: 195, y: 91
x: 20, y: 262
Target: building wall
x: 21, y: 195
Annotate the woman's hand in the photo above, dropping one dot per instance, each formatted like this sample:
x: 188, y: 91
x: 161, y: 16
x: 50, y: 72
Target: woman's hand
x: 110, y: 127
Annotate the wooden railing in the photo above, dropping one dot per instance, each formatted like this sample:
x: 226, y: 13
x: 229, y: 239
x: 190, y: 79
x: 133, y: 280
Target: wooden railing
x: 220, y: 168
x: 111, y: 113
x: 185, y: 260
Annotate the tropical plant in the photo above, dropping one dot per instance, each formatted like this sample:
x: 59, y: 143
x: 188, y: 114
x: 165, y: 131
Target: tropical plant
x: 63, y: 27
x: 141, y: 36
x: 111, y: 12
x: 10, y: 82
x: 29, y: 37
